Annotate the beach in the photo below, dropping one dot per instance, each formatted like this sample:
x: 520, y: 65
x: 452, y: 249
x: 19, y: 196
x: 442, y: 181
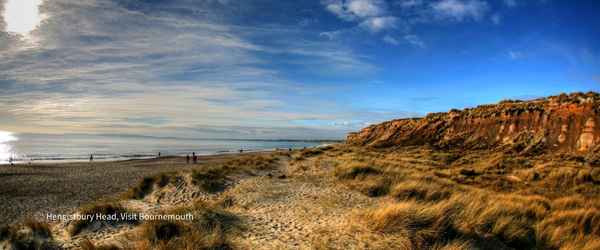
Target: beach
x: 37, y: 189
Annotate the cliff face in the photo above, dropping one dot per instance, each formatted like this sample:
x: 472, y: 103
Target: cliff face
x: 558, y: 123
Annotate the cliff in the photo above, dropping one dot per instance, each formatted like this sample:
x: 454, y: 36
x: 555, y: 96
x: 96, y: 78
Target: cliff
x: 565, y: 123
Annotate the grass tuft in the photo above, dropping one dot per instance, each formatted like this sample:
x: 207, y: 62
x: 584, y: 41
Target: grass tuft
x: 31, y: 234
x: 210, y: 228
x: 352, y: 171
x: 108, y: 209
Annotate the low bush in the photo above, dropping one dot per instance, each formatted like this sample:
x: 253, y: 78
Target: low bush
x: 352, y: 171
x: 210, y: 228
x: 31, y: 234
x: 147, y: 184
x: 105, y: 209
x: 210, y: 179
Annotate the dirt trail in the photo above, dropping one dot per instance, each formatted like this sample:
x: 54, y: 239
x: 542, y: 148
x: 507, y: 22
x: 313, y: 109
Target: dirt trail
x: 280, y: 209
x: 287, y: 212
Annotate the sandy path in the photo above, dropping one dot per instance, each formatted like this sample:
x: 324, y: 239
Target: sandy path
x: 288, y: 213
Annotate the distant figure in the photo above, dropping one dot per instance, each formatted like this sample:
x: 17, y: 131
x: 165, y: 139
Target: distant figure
x: 290, y: 149
x: 194, y: 157
x: 91, y: 157
x: 10, y: 160
x: 158, y: 154
x: 187, y: 159
x: 241, y: 151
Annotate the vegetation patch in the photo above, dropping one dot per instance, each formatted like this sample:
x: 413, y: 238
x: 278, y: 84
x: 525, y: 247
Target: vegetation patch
x: 352, y: 171
x: 147, y: 184
x: 210, y: 180
x: 31, y: 234
x: 89, y: 245
x: 420, y: 191
x: 210, y: 228
x: 112, y: 210
x: 251, y: 162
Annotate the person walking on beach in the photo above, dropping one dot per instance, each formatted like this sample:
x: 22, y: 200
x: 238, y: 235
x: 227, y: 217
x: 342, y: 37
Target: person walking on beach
x: 158, y: 154
x: 194, y: 157
x: 187, y: 159
x: 91, y: 157
x: 10, y: 161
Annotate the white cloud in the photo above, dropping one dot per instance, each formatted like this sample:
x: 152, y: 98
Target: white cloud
x: 414, y: 40
x: 376, y: 24
x: 366, y: 8
x: 460, y: 10
x: 514, y: 55
x: 510, y: 3
x: 391, y: 40
x: 372, y: 15
x: 352, y: 10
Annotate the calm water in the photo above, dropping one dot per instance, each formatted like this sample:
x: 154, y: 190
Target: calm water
x: 61, y: 148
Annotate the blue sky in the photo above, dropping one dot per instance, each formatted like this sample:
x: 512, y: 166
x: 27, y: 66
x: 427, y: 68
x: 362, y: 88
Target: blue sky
x: 280, y: 69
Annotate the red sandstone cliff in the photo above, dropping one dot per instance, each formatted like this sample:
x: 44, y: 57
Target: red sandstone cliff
x: 558, y: 123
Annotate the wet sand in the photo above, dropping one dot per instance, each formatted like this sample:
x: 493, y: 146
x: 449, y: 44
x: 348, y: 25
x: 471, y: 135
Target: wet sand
x: 37, y: 189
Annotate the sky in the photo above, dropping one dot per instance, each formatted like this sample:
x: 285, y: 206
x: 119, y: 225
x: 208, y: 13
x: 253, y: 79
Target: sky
x: 280, y: 69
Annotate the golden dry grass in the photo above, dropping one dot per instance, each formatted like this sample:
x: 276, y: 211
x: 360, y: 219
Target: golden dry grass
x: 210, y: 228
x: 447, y: 200
x: 101, y: 208
x: 31, y: 234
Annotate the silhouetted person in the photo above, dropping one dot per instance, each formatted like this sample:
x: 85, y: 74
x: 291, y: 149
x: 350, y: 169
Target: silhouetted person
x: 158, y: 154
x: 91, y: 157
x: 241, y: 151
x: 194, y: 157
x: 187, y: 159
x: 10, y: 160
x: 290, y: 149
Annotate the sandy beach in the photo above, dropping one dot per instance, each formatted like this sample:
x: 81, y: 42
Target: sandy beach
x: 37, y: 189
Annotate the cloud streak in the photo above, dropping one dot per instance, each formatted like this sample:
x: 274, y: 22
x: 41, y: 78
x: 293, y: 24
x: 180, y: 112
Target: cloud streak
x: 101, y: 65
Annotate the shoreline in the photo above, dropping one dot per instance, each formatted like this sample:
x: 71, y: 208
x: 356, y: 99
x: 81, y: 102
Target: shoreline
x: 144, y: 157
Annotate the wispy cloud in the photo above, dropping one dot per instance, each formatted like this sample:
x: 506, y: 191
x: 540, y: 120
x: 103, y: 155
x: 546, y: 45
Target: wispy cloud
x: 514, y: 55
x: 510, y: 3
x: 372, y: 15
x: 460, y: 10
x: 377, y: 24
x: 414, y: 40
x: 391, y: 40
x: 496, y: 18
x: 402, y: 17
x: 101, y: 65
x: 356, y: 10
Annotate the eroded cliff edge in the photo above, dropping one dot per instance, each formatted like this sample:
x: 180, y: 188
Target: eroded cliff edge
x: 563, y: 123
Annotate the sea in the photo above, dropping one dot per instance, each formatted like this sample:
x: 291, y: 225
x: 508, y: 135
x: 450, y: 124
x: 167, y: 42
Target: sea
x: 44, y: 148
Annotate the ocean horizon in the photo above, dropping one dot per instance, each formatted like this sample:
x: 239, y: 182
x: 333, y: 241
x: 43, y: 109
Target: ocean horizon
x: 44, y: 148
